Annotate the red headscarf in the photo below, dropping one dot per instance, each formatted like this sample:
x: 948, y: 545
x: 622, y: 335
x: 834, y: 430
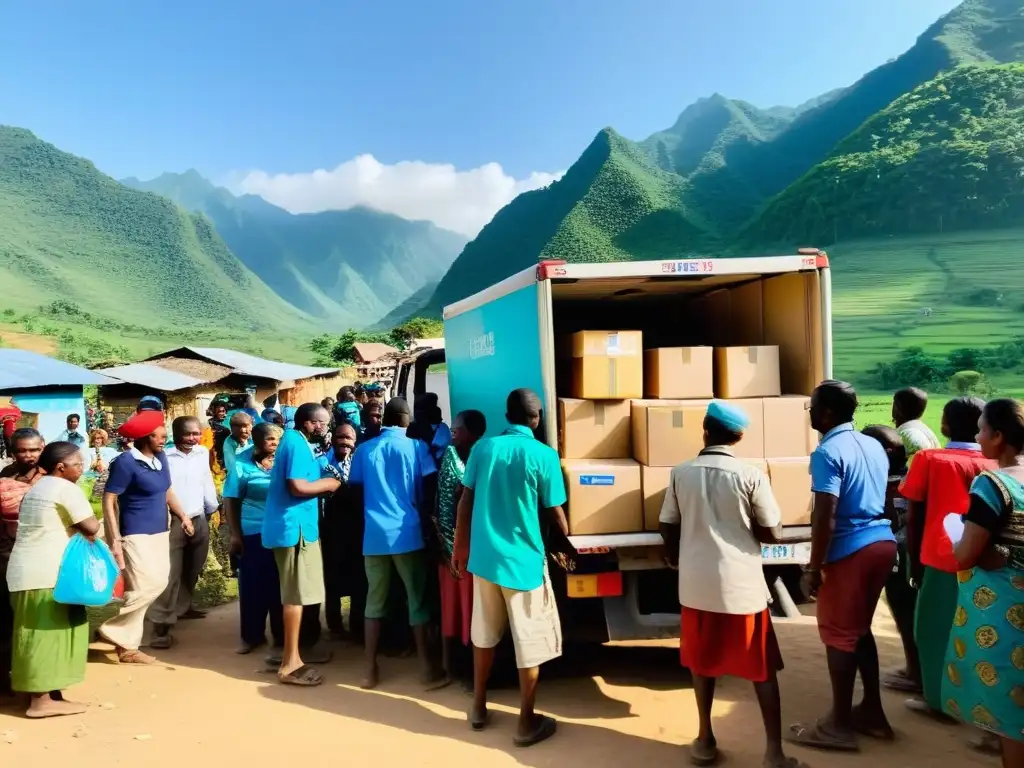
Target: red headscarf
x: 141, y: 425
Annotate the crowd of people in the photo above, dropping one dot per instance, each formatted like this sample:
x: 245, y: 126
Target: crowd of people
x: 442, y: 529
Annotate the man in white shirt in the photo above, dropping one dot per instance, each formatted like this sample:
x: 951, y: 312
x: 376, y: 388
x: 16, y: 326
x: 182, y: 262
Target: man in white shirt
x: 908, y: 406
x: 192, y: 483
x: 717, y: 511
x: 72, y: 434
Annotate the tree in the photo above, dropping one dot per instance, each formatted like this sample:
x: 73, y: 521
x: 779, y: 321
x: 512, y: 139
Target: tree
x: 965, y: 383
x: 340, y: 350
x: 417, y: 328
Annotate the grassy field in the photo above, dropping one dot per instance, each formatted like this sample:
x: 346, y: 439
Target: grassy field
x: 940, y: 293
x: 45, y: 338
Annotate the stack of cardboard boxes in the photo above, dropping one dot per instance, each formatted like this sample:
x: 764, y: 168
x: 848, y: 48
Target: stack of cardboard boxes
x: 636, y: 414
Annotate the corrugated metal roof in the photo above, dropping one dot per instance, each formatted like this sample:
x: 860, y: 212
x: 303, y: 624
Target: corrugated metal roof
x: 151, y: 376
x: 368, y: 351
x: 21, y: 369
x: 252, y: 365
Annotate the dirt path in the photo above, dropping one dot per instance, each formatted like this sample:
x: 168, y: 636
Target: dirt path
x: 209, y: 707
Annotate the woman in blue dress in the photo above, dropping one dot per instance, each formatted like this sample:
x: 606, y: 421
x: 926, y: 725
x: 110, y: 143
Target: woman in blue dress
x: 984, y: 683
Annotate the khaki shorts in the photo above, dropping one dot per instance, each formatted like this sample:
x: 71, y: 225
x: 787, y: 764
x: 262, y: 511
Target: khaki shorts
x: 301, y: 572
x: 532, y: 616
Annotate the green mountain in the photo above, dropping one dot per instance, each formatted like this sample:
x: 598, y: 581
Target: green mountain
x: 613, y: 204
x: 700, y: 183
x: 68, y: 232
x: 349, y: 268
x: 947, y: 156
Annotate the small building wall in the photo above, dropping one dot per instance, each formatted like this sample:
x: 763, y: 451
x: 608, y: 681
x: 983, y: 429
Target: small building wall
x: 52, y: 405
x: 314, y: 390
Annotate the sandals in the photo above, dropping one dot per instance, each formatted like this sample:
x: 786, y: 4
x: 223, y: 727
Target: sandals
x: 305, y: 677
x: 703, y: 754
x: 901, y: 681
x: 819, y: 736
x: 544, y: 730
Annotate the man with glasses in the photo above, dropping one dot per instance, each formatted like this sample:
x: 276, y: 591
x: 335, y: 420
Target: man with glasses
x: 291, y: 528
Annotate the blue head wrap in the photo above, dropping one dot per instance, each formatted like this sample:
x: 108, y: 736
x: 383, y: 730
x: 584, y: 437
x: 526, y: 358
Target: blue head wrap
x: 729, y: 416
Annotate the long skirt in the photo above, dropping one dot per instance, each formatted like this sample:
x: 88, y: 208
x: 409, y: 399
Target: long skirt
x: 51, y: 642
x: 933, y: 623
x: 983, y: 682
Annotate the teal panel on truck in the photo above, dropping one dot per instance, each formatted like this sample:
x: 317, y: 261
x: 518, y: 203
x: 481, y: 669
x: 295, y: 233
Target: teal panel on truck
x: 491, y: 350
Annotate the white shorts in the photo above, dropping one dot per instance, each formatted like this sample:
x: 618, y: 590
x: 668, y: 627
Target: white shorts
x: 532, y: 616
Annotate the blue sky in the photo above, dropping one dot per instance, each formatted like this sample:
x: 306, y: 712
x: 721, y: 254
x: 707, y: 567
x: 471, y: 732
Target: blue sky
x: 230, y: 86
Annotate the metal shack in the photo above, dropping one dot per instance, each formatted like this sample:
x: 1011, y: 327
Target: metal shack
x: 188, y: 378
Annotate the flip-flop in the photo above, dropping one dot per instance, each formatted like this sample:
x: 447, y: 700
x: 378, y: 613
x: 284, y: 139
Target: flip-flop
x: 986, y: 744
x: 790, y: 762
x: 881, y: 733
x: 818, y: 737
x: 921, y: 707
x: 436, y: 683
x: 312, y: 655
x: 900, y: 681
x: 545, y: 730
x: 702, y: 754
x: 478, y: 724
x: 305, y: 676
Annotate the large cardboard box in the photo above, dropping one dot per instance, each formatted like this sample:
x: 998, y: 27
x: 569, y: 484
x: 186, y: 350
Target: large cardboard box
x: 787, y: 427
x: 607, y: 365
x: 667, y: 432
x: 680, y: 373
x: 654, y: 481
x: 752, y: 444
x: 791, y: 484
x: 593, y: 429
x: 747, y: 372
x: 604, y: 496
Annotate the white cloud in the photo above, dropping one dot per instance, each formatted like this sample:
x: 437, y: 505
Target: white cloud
x: 462, y: 201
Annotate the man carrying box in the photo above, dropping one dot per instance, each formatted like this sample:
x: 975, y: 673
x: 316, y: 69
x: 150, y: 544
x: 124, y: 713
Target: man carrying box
x: 717, y: 511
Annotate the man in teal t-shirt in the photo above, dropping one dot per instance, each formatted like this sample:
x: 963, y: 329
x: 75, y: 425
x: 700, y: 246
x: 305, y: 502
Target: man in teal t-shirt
x: 511, y: 481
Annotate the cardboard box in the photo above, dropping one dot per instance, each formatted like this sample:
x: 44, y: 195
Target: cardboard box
x: 667, y: 432
x: 593, y: 429
x: 761, y: 464
x: 654, y: 483
x: 752, y: 444
x: 604, y: 496
x: 681, y: 373
x: 791, y: 484
x: 787, y: 427
x: 747, y: 372
x: 607, y: 365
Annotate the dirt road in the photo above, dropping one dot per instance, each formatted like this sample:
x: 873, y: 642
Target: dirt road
x: 209, y: 707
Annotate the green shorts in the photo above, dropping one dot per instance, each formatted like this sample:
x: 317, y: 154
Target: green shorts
x: 301, y: 572
x: 412, y: 570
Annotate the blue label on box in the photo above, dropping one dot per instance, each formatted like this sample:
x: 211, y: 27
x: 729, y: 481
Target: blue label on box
x: 597, y: 479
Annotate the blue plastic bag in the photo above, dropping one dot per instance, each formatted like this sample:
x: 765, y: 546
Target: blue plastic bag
x: 87, y: 573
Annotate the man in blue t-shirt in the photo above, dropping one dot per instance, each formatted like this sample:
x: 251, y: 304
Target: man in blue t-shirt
x: 853, y: 550
x: 397, y: 476
x: 291, y: 529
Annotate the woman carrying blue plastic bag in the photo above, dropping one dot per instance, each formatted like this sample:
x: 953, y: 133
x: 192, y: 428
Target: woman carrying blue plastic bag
x: 51, y: 640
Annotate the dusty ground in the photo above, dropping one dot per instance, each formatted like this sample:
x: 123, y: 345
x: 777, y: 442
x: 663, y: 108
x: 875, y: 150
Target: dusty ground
x: 207, y: 706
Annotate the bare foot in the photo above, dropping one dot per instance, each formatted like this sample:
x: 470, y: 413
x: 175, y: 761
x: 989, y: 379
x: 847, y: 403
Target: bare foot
x: 371, y: 679
x: 44, y: 706
x: 125, y: 656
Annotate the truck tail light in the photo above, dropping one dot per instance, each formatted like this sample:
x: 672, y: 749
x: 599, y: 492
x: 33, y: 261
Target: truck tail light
x: 595, y: 584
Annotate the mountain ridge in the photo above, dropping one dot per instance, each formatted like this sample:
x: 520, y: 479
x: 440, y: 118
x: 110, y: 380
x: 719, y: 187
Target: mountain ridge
x: 346, y: 267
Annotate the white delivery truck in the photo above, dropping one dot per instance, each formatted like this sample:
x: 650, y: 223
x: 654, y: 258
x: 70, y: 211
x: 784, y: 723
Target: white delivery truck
x: 513, y: 334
